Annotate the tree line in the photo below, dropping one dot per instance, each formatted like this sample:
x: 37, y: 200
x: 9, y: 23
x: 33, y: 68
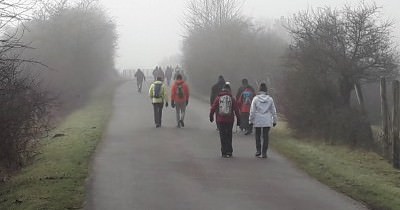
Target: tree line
x: 52, y: 55
x: 315, y: 62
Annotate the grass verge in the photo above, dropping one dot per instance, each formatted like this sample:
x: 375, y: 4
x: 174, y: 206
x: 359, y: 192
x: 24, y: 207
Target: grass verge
x: 362, y: 175
x: 56, y: 179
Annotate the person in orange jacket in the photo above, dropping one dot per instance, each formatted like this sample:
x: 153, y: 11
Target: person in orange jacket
x: 180, y: 99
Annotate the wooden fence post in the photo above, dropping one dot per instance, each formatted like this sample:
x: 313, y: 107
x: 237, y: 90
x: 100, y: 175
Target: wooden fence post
x: 385, y: 120
x: 396, y: 139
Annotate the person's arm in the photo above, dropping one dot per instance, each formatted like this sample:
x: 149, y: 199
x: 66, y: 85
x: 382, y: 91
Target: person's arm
x: 213, y: 109
x: 165, y: 94
x: 173, y: 92
x: 252, y: 111
x: 186, y: 89
x: 212, y: 96
x: 151, y: 92
x: 239, y: 93
x: 236, y: 110
x: 273, y: 111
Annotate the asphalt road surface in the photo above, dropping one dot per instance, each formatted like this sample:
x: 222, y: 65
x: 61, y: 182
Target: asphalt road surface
x: 140, y: 167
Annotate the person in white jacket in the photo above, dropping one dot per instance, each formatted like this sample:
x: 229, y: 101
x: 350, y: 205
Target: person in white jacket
x: 262, y: 117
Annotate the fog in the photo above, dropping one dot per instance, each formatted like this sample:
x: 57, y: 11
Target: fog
x: 151, y: 31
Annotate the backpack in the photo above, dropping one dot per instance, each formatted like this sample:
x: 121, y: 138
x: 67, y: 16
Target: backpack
x: 225, y: 105
x: 157, y: 90
x: 247, y: 96
x: 180, y: 92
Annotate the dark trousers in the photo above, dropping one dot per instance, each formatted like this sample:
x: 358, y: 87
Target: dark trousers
x: 244, y: 121
x: 265, y: 135
x: 225, y: 134
x: 158, y: 107
x: 139, y: 85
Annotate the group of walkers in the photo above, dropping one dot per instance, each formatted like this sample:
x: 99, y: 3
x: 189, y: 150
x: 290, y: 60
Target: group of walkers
x: 251, y: 110
x: 179, y: 99
x: 169, y: 74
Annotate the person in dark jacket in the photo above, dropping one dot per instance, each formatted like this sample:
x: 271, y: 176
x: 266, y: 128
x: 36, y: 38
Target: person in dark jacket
x: 225, y: 109
x: 244, y: 97
x: 139, y: 79
x: 168, y: 75
x: 216, y: 89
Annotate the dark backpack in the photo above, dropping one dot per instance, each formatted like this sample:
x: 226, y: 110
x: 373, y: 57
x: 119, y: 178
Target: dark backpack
x: 225, y: 105
x: 180, y: 91
x: 157, y: 90
x: 247, y: 96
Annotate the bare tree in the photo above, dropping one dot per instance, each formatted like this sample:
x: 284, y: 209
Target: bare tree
x: 210, y: 13
x: 342, y: 48
x: 23, y: 104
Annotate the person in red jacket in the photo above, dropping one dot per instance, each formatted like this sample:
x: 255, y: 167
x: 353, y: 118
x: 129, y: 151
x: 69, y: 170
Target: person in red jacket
x: 180, y: 99
x: 244, y: 98
x: 225, y: 109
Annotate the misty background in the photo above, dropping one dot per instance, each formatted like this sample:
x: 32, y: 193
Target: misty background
x: 151, y: 31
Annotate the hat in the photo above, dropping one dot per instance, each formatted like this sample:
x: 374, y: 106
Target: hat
x: 227, y: 86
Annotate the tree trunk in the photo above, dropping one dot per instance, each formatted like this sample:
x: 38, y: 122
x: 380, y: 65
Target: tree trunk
x: 385, y: 120
x: 396, y: 124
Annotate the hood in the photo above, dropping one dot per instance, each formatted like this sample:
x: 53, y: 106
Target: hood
x: 263, y: 97
x: 224, y: 92
x: 263, y: 102
x: 179, y: 82
x: 221, y: 81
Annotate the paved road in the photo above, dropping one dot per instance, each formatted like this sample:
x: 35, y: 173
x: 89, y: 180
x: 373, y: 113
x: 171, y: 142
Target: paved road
x: 140, y: 167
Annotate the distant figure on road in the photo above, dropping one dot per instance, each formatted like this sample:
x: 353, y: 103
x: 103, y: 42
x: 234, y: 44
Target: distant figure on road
x: 139, y: 79
x: 158, y: 73
x: 180, y: 99
x: 168, y: 75
x: 225, y: 109
x: 179, y: 71
x: 263, y: 117
x: 216, y: 89
x: 158, y: 95
x: 244, y: 97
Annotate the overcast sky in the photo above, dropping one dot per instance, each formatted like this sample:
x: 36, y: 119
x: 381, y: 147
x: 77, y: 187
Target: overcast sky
x: 150, y: 30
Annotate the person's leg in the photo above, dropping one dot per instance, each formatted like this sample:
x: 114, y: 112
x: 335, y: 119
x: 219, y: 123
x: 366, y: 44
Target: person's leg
x: 178, y: 114
x: 245, y: 122
x: 140, y: 86
x: 155, y: 108
x: 183, y: 113
x: 265, y: 141
x: 229, y: 148
x: 222, y: 138
x: 242, y: 121
x: 160, y: 109
x: 258, y: 141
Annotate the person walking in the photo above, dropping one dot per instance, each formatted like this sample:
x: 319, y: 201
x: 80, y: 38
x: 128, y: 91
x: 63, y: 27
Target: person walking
x: 139, y: 79
x: 244, y: 97
x: 225, y: 109
x: 216, y: 88
x: 168, y: 75
x: 263, y: 116
x: 180, y: 99
x: 158, y: 95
